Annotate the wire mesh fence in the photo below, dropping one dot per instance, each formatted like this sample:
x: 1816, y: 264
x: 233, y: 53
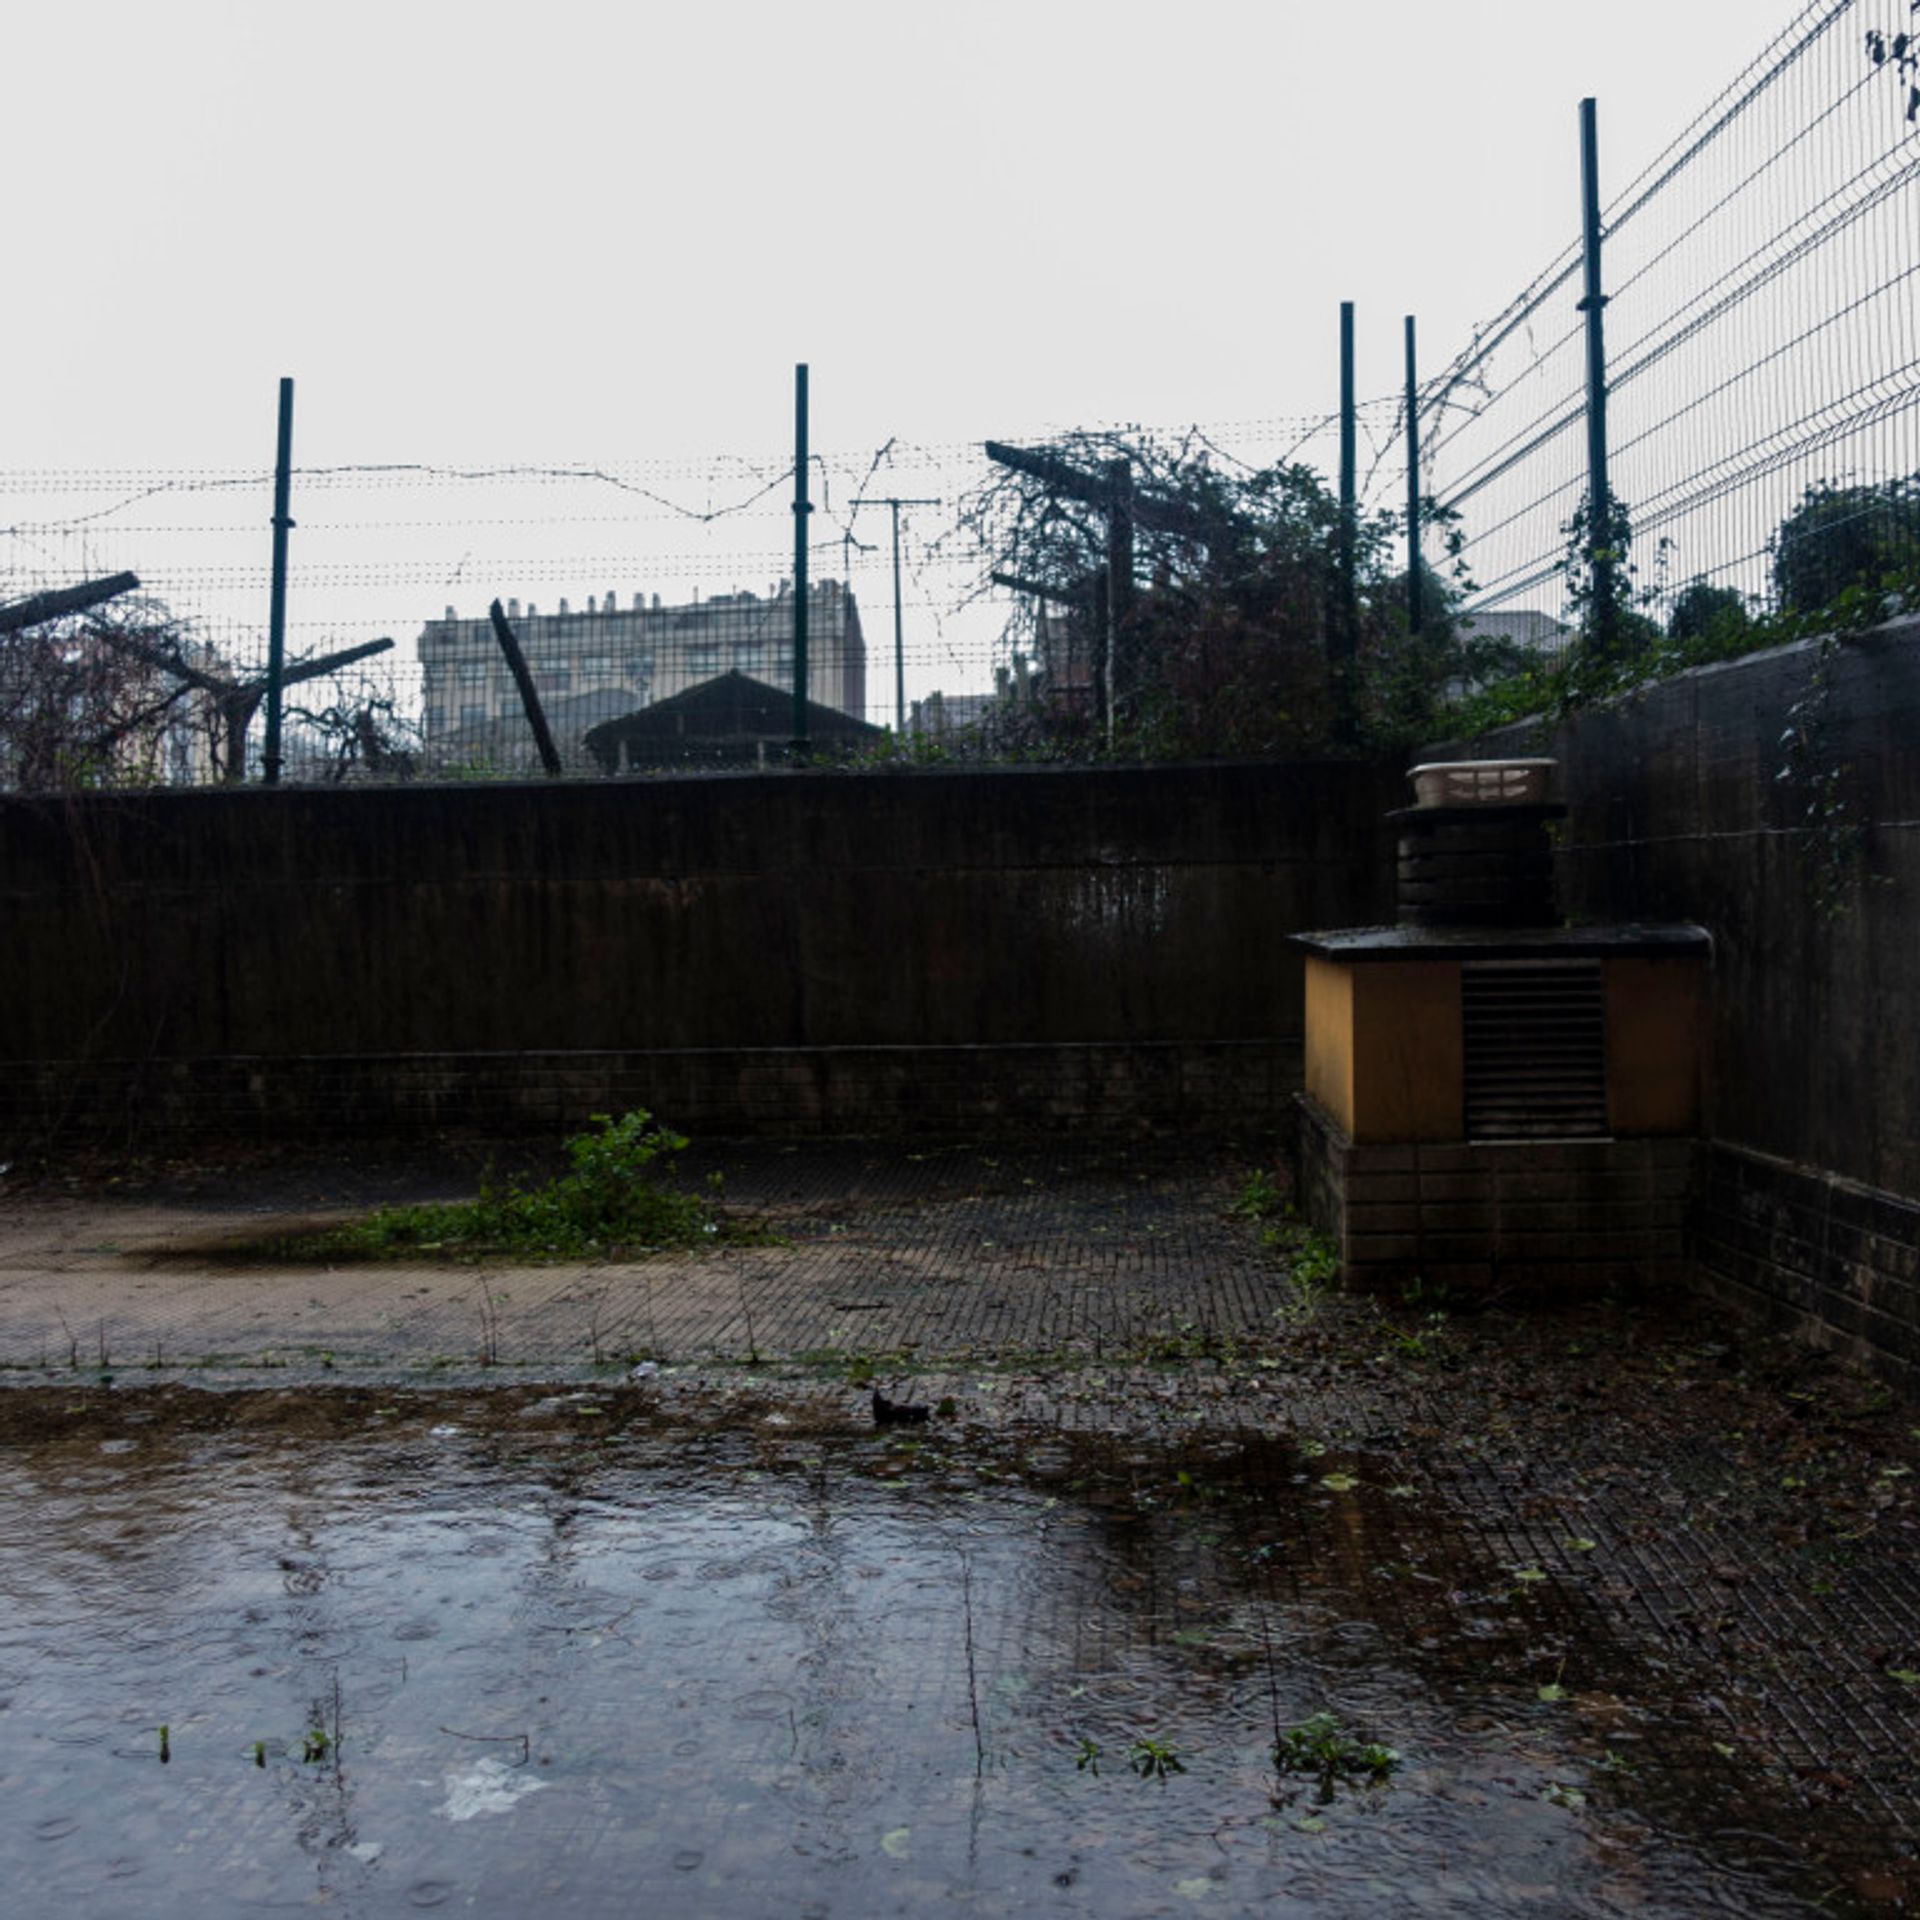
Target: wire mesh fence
x: 1763, y: 360
x: 653, y: 602
x: 1763, y: 388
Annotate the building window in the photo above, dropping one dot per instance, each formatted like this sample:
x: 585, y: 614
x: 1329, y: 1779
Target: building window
x: 703, y: 661
x: 473, y: 716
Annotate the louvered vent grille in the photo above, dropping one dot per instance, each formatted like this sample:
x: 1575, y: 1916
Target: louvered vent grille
x: 1536, y: 1049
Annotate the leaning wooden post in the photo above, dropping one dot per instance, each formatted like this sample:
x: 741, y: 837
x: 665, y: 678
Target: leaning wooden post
x: 529, y: 695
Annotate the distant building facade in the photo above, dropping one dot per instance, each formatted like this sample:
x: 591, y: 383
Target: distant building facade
x: 610, y: 661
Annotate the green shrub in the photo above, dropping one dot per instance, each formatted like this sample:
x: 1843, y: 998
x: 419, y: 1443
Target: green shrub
x: 608, y: 1199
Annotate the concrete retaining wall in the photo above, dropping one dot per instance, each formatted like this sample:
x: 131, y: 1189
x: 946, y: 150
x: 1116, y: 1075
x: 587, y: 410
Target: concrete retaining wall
x: 789, y: 952
x: 1678, y: 810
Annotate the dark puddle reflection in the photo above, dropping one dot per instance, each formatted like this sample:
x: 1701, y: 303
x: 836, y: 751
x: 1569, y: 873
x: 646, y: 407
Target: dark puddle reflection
x: 547, y: 1658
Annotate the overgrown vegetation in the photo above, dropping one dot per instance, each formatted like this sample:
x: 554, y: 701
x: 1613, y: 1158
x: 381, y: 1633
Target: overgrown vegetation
x: 84, y: 704
x: 1225, y: 647
x: 610, y: 1200
x: 1312, y: 1261
x: 1846, y: 559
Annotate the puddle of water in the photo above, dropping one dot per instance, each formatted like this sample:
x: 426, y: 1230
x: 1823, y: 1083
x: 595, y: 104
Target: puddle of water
x: 516, y: 1668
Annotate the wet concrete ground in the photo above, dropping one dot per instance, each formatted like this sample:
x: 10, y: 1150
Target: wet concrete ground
x: 1632, y: 1594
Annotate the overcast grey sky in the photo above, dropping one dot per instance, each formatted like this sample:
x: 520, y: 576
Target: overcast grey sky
x: 482, y: 231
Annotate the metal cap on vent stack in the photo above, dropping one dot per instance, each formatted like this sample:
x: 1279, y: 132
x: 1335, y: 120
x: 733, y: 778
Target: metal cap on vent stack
x: 1474, y: 849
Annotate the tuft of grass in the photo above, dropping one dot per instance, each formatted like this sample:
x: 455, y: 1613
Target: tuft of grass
x: 1259, y: 1197
x: 610, y: 1199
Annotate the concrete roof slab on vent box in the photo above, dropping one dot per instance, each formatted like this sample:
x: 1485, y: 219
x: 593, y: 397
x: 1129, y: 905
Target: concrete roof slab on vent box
x: 1614, y: 941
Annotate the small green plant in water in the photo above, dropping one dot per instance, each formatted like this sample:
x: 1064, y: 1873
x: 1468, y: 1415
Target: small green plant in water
x: 1153, y: 1759
x: 1319, y: 1745
x: 1088, y: 1758
x: 315, y: 1746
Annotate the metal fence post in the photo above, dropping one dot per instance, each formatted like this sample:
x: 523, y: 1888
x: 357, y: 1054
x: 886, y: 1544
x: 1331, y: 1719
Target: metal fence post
x: 277, y: 606
x: 899, y: 637
x: 1600, y: 515
x: 1344, y: 639
x: 1121, y: 675
x: 802, y: 507
x: 1415, y: 586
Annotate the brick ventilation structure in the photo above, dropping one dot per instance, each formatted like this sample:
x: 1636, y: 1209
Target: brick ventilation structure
x: 1494, y: 1101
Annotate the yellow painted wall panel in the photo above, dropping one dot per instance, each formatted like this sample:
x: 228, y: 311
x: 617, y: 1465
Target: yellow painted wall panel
x: 1408, y: 1072
x: 1656, y: 1028
x: 1329, y: 1039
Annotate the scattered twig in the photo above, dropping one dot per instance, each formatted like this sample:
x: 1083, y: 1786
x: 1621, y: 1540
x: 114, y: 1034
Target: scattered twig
x: 1273, y: 1678
x: 973, y: 1678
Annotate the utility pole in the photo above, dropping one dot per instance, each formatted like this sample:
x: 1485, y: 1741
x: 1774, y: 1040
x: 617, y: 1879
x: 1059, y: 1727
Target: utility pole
x: 899, y: 642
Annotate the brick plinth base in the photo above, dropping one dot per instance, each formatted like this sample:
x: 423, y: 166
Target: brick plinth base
x: 1564, y: 1217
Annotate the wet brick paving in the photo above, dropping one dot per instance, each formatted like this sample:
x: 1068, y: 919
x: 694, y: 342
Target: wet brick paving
x: 1739, y: 1511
